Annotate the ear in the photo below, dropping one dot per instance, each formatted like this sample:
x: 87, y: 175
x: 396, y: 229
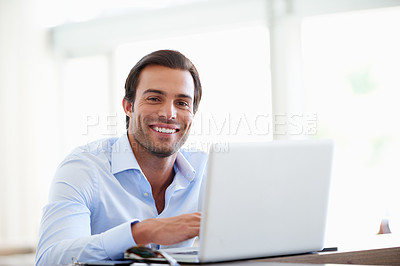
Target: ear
x: 127, y: 107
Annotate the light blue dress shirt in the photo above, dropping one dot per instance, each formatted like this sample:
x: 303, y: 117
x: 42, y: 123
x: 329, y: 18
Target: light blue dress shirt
x: 98, y: 191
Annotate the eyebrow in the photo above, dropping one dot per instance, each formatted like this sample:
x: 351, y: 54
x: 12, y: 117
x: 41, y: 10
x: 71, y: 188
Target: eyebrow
x: 184, y: 96
x: 181, y: 95
x: 153, y: 91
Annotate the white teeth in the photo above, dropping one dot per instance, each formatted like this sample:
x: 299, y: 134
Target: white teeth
x: 164, y: 130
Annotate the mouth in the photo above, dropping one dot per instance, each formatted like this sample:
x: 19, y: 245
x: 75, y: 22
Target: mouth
x: 165, y: 130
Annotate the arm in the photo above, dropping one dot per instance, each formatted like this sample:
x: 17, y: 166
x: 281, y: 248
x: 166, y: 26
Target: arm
x: 65, y: 231
x: 65, y: 237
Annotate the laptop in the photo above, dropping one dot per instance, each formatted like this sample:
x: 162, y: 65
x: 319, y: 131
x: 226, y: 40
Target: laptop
x: 263, y: 199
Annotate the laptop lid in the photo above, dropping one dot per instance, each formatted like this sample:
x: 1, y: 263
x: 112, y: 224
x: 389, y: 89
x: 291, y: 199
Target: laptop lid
x: 265, y: 199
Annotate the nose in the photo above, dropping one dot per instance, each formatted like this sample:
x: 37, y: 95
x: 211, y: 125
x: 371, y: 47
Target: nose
x: 168, y: 111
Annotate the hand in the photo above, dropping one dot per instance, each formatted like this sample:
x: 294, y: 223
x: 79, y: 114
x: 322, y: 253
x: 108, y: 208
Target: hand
x: 167, y: 231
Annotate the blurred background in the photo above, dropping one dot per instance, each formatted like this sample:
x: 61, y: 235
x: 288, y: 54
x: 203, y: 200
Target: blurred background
x: 271, y: 69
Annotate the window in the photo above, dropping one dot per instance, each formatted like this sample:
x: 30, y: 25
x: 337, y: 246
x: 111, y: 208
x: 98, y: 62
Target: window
x: 351, y: 66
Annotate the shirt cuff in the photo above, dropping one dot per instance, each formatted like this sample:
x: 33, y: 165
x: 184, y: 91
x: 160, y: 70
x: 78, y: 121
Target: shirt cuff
x: 118, y: 239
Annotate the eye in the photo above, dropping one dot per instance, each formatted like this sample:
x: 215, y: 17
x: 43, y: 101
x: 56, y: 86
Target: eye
x: 153, y: 99
x: 183, y: 104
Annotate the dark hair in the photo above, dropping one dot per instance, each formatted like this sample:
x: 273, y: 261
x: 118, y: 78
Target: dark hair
x: 168, y: 58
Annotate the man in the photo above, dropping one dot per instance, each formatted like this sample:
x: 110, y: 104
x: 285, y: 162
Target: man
x: 139, y: 189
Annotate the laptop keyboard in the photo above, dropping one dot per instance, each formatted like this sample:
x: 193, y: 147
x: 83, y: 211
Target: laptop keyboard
x: 189, y: 252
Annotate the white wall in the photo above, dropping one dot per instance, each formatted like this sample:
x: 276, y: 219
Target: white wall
x: 28, y: 120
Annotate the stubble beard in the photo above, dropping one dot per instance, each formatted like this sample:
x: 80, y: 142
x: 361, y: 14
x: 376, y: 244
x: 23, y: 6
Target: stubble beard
x: 158, y: 149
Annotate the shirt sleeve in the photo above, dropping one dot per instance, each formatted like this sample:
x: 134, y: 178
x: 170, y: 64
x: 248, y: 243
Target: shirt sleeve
x: 65, y: 232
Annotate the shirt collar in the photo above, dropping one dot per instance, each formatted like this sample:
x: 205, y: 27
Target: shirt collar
x: 122, y: 158
x: 183, y: 166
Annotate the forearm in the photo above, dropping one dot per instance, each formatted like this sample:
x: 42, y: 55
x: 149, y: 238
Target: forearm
x: 65, y: 233
x: 70, y: 251
x: 109, y: 245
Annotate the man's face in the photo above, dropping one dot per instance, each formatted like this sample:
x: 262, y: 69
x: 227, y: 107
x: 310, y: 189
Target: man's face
x: 163, y: 109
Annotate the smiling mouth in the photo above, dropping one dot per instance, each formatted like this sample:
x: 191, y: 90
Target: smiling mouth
x: 165, y: 130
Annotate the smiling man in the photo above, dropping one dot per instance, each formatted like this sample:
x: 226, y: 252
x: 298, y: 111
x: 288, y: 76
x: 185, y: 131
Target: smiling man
x: 139, y: 189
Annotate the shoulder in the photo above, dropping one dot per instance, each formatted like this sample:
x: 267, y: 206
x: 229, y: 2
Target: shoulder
x: 98, y: 148
x: 81, y: 168
x: 94, y: 154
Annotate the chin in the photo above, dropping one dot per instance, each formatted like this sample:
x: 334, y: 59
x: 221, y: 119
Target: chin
x: 163, y: 152
x: 160, y: 150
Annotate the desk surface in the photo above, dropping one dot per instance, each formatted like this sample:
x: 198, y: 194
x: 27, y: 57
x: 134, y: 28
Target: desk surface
x: 383, y: 256
x: 373, y: 250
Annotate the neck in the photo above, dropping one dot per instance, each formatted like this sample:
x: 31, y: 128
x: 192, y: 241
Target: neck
x: 159, y: 171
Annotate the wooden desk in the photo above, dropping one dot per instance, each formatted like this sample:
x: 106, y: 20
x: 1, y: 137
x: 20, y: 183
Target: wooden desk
x: 383, y: 256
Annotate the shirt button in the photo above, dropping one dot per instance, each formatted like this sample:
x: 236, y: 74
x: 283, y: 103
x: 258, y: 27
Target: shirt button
x: 145, y: 194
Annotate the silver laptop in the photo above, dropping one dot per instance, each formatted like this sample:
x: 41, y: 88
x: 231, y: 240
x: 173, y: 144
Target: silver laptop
x: 264, y: 199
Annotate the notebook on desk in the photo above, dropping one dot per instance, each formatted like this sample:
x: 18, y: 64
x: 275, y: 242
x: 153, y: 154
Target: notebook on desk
x: 263, y: 199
